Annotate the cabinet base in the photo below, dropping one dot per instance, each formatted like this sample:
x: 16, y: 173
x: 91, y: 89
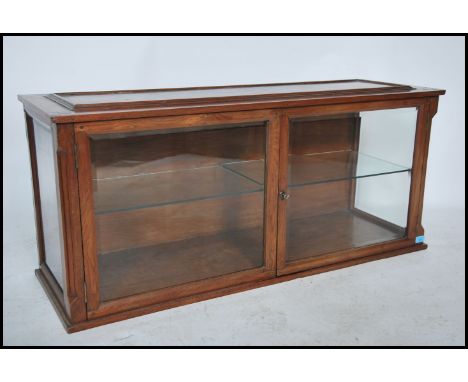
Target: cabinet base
x: 76, y: 327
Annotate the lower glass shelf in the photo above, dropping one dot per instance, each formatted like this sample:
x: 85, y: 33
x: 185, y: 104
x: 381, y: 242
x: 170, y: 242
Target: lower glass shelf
x: 137, y: 270
x: 318, y: 235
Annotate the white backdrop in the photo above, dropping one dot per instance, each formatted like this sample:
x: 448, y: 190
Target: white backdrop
x: 55, y: 64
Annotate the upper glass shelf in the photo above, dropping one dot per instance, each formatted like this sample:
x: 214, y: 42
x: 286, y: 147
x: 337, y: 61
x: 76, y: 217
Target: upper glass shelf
x: 234, y: 178
x: 339, y: 165
x: 324, y: 167
x: 146, y: 190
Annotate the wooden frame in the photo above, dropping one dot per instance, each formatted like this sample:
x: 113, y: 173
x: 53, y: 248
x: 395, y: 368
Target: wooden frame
x: 71, y: 297
x: 414, y: 214
x: 96, y: 308
x: 71, y: 124
x: 191, y: 98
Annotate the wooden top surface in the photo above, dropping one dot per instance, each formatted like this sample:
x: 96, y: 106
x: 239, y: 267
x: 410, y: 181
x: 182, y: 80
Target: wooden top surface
x: 66, y: 107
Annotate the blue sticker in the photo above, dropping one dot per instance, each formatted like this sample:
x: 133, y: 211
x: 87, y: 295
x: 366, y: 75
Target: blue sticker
x: 419, y: 239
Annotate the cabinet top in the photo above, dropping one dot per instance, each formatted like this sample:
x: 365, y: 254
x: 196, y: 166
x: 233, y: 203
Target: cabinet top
x: 264, y: 95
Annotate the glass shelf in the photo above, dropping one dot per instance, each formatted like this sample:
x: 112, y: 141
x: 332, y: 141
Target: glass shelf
x: 169, y: 187
x: 234, y: 178
x: 323, y: 167
x: 339, y: 165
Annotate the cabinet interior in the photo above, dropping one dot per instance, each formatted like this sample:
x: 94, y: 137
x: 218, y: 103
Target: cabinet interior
x: 197, y: 197
x: 180, y: 197
x: 324, y: 166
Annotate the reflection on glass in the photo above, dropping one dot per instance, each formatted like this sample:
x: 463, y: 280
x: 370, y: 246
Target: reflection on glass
x: 349, y: 177
x: 177, y: 207
x: 50, y: 208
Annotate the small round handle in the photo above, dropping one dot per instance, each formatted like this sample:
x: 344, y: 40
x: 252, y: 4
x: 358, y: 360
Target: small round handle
x: 283, y: 195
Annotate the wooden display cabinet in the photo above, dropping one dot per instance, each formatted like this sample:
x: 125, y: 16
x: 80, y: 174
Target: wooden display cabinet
x: 151, y: 199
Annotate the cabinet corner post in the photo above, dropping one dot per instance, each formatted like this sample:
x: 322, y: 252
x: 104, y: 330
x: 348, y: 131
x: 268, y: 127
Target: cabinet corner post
x: 74, y: 291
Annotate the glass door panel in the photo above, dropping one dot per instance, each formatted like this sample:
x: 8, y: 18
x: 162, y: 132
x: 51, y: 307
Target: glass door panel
x: 177, y: 206
x: 349, y: 181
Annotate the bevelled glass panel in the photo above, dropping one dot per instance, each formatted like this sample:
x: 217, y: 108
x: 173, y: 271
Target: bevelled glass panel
x: 349, y: 178
x: 49, y: 195
x: 177, y: 206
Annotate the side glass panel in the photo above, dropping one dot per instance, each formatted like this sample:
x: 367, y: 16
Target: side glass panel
x: 177, y: 206
x: 50, y: 208
x: 349, y: 180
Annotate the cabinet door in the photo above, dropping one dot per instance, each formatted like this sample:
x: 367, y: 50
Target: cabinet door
x: 345, y: 182
x: 175, y: 206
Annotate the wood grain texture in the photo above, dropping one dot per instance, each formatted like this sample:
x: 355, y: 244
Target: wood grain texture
x: 74, y: 293
x: 421, y: 146
x: 54, y: 287
x: 327, y: 134
x: 128, y: 99
x: 271, y: 189
x: 180, y: 221
x: 88, y: 224
x: 340, y: 230
x: 317, y: 199
x: 353, y: 107
x: 282, y: 187
x: 354, y: 166
x: 164, y: 124
x: 343, y: 255
x: 312, y: 134
x: 176, y: 149
x: 170, y: 293
x: 309, y: 209
x: 176, y: 221
x: 133, y: 271
x: 50, y: 111
x: 141, y: 310
x: 54, y: 299
x: 130, y: 244
x: 432, y: 110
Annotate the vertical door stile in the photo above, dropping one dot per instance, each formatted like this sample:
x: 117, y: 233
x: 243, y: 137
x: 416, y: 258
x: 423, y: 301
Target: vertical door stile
x: 271, y: 189
x: 88, y: 225
x: 283, y: 187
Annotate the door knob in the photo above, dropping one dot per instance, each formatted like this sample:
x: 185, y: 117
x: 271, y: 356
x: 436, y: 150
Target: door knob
x: 283, y: 195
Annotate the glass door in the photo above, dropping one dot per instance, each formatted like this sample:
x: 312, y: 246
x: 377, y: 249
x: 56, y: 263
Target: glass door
x: 179, y: 209
x: 345, y: 184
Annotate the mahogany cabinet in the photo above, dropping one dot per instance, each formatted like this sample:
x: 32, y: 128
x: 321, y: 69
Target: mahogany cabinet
x: 151, y: 199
